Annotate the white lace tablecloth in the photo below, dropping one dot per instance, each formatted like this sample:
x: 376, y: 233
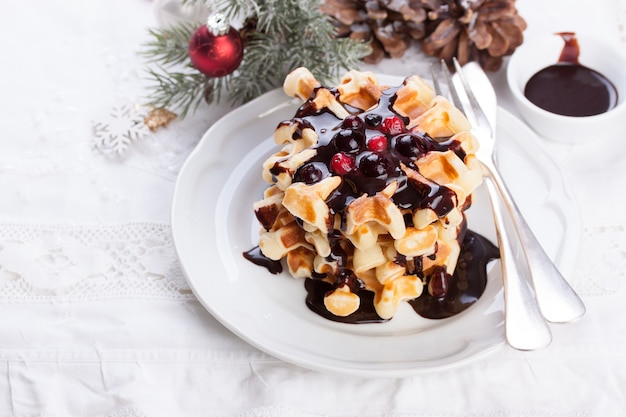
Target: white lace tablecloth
x: 96, y: 318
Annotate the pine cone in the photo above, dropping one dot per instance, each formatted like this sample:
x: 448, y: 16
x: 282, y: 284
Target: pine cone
x: 473, y: 30
x: 389, y: 25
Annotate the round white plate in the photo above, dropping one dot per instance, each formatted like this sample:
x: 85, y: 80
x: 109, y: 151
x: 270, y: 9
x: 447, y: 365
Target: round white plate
x: 213, y: 223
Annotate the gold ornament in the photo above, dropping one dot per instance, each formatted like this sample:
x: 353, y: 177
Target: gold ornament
x: 159, y: 117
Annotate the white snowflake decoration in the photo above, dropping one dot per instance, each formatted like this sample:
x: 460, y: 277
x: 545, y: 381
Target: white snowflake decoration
x: 114, y: 136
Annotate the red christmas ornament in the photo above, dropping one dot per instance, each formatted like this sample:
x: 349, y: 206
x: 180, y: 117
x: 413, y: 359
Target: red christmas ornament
x: 216, y: 49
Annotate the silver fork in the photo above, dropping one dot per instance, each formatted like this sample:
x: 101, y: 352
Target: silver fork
x: 525, y: 327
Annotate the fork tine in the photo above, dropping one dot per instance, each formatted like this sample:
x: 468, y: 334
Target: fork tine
x: 468, y: 103
x: 477, y: 111
x: 435, y: 78
x: 454, y: 96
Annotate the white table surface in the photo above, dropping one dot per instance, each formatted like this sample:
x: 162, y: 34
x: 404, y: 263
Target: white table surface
x: 97, y: 318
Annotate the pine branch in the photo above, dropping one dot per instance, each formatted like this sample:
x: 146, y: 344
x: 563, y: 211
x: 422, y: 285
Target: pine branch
x: 233, y: 9
x: 279, y: 36
x: 175, y: 83
x: 169, y: 45
x: 179, y: 90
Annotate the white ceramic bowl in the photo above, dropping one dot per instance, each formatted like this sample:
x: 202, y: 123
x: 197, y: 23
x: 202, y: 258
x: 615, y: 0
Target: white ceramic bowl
x: 539, y: 52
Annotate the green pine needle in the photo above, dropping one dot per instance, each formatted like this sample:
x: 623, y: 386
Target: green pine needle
x: 287, y: 34
x: 169, y: 46
x: 179, y: 90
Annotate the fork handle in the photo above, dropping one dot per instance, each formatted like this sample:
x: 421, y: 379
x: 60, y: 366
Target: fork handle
x: 557, y: 300
x: 525, y: 327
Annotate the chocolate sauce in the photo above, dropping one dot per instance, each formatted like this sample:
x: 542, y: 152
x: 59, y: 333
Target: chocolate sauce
x: 374, y: 170
x: 377, y: 144
x: 569, y: 88
x: 465, y: 287
x: 255, y: 256
x: 317, y: 289
x: 467, y: 283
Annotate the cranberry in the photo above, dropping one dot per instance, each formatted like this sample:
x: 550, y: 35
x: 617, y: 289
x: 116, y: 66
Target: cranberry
x: 373, y: 120
x: 393, y: 125
x: 341, y: 163
x: 377, y: 143
x: 347, y: 140
x: 352, y: 122
x: 373, y: 164
x: 408, y: 145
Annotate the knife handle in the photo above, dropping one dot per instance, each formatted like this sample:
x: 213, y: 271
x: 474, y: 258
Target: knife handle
x: 557, y: 300
x: 525, y: 326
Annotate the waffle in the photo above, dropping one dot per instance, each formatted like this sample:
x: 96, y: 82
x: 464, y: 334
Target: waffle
x: 368, y: 189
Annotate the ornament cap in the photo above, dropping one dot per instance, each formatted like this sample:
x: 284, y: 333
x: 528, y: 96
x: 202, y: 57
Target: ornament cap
x: 218, y: 24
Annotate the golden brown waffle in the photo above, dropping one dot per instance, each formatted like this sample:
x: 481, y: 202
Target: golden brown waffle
x: 369, y: 188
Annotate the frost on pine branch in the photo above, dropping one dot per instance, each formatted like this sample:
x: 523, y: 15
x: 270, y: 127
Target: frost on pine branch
x: 278, y: 36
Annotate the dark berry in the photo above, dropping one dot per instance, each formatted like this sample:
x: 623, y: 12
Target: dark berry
x: 310, y: 173
x: 352, y: 122
x: 347, y: 140
x: 373, y: 120
x: 377, y: 143
x: 373, y: 164
x: 393, y: 125
x: 347, y: 277
x: 341, y: 163
x: 439, y: 282
x: 408, y: 145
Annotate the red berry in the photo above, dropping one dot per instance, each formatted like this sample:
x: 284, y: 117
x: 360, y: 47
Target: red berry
x: 341, y: 163
x: 377, y: 143
x: 393, y: 125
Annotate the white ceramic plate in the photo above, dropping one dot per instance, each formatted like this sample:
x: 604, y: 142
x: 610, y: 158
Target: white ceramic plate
x: 213, y: 224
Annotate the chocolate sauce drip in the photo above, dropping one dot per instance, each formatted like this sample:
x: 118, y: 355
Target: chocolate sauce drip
x: 300, y: 124
x: 337, y: 254
x: 266, y: 216
x: 465, y: 286
x: 255, y: 256
x: 316, y: 290
x: 569, y: 88
x: 462, y: 289
x: 571, y: 49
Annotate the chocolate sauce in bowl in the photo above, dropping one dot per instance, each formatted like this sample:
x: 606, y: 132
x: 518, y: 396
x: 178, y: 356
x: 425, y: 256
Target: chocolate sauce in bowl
x: 569, y: 88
